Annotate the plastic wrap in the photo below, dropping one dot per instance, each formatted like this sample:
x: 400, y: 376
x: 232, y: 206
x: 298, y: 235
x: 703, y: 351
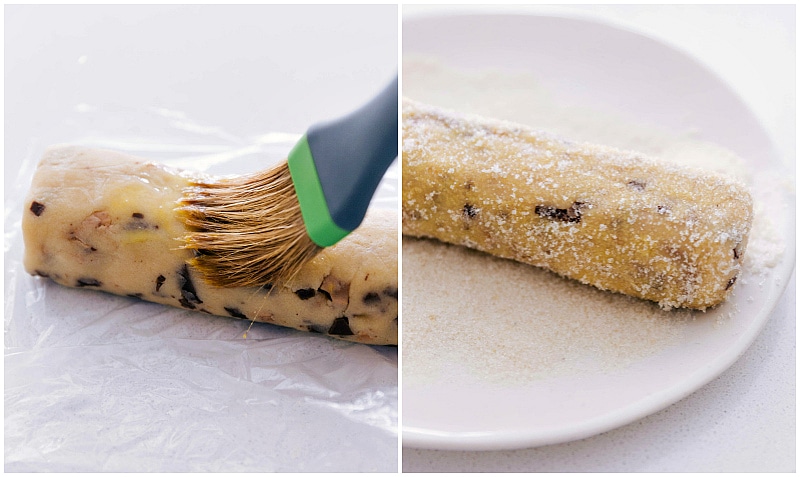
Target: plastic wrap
x: 98, y: 382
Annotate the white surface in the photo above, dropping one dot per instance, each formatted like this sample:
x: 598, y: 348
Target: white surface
x: 96, y: 382
x: 742, y: 440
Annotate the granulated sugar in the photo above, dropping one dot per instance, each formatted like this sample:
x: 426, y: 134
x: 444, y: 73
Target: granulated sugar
x: 469, y: 317
x: 503, y: 322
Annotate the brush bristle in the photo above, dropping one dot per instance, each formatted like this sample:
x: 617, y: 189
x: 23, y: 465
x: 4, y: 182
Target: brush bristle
x: 247, y: 231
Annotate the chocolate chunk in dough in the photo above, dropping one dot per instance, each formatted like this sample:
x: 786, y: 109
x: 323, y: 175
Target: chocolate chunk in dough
x: 340, y: 327
x: 160, y: 281
x: 37, y: 208
x: 236, y: 313
x: 371, y: 298
x: 189, y: 296
x: 469, y: 211
x: 87, y: 282
x: 637, y: 184
x: 572, y: 214
x: 305, y: 293
x: 391, y: 292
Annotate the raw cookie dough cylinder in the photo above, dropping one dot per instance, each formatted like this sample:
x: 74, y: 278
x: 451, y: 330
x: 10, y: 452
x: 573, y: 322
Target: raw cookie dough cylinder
x: 108, y: 221
x: 609, y: 218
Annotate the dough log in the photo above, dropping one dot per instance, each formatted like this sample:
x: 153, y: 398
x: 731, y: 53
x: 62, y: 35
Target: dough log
x: 107, y: 221
x: 609, y: 218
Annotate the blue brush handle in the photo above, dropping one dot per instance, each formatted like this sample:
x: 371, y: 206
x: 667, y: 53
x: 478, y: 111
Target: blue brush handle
x: 352, y: 154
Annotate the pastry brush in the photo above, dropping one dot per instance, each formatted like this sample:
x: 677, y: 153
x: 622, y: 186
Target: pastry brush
x: 259, y: 229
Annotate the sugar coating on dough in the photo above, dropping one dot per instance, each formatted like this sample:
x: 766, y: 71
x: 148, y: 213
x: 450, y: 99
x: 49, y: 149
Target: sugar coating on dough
x: 609, y: 218
x: 107, y: 221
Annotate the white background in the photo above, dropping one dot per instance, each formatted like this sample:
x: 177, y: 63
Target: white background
x: 745, y: 419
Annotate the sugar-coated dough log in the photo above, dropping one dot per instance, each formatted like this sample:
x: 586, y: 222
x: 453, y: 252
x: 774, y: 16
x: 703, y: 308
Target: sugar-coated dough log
x: 609, y: 218
x: 107, y: 221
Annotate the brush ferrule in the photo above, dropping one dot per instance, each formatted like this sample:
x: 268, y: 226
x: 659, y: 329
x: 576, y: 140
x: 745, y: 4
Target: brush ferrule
x: 320, y: 226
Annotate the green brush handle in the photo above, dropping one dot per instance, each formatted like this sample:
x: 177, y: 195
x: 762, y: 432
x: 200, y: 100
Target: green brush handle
x: 337, y: 166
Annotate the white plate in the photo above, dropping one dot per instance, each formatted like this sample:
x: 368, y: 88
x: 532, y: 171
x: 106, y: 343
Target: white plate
x: 592, y: 64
